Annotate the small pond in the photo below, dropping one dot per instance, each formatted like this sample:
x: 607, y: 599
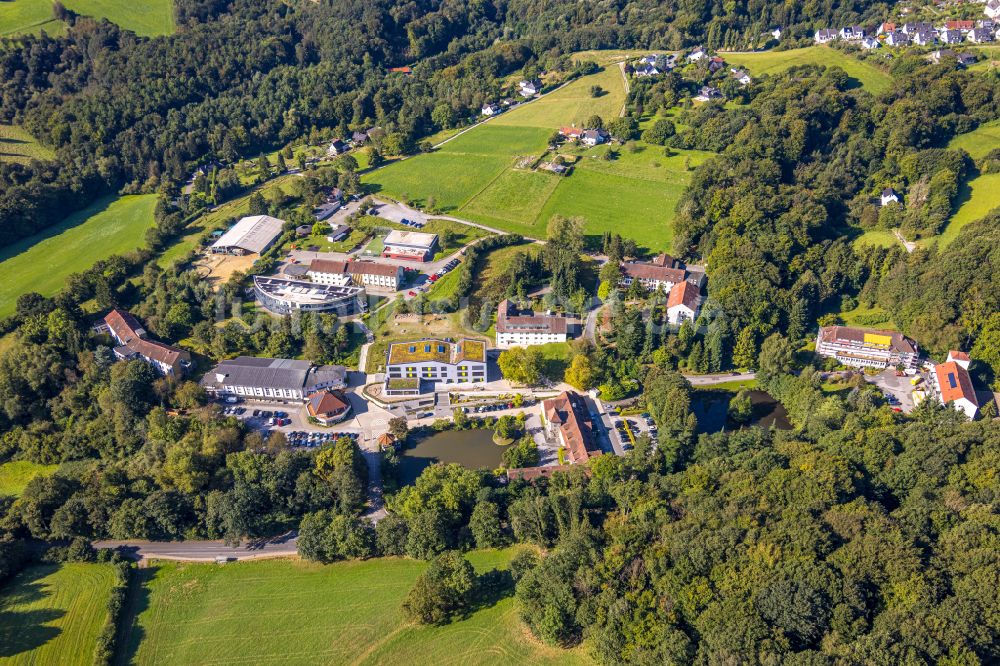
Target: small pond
x: 712, y: 410
x: 470, y: 448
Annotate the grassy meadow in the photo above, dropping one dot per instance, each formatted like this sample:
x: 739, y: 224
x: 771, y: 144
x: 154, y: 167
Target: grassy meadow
x: 52, y: 614
x: 770, y: 62
x: 293, y: 612
x: 148, y: 18
x: 41, y: 263
x: 15, y: 475
x: 474, y: 176
x: 16, y: 145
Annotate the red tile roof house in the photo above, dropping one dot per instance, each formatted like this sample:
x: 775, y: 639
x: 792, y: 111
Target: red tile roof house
x: 953, y: 384
x: 133, y: 343
x: 683, y: 302
x: 567, y: 421
x: 328, y: 407
x: 658, y: 273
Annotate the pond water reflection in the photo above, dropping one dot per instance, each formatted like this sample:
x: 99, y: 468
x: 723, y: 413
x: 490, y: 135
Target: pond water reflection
x: 712, y: 410
x: 470, y: 448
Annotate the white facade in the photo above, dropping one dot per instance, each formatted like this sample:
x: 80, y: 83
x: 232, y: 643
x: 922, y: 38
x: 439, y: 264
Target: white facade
x: 527, y: 338
x: 336, y: 279
x: 463, y: 372
x: 680, y: 313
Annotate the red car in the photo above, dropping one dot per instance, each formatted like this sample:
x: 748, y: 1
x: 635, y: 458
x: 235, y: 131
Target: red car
x: 413, y: 293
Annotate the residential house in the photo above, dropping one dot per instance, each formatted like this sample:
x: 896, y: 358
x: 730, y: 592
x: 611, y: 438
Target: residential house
x: 282, y: 379
x: 524, y: 328
x: 491, y: 109
x: 567, y: 421
x: 133, y: 342
x: 358, y: 138
x: 338, y: 233
x: 529, y: 87
x: 683, y: 302
x: 852, y: 33
x: 951, y: 36
x: 571, y: 133
x: 888, y: 196
x: 870, y: 43
x: 920, y: 26
x: 405, y: 71
x: 886, y: 28
x: 924, y: 38
x: 992, y: 9
x: 328, y: 407
x: 953, y: 385
x: 825, y: 35
x: 708, y: 93
x: 867, y: 348
x: 963, y: 26
x: 337, y: 147
x: 942, y: 55
x: 303, y: 230
x: 645, y: 70
x: 697, y: 54
x: 980, y: 36
x: 593, y: 137
x: 776, y: 33
x: 412, y: 367
x: 741, y: 76
x: 715, y: 63
x: 897, y: 39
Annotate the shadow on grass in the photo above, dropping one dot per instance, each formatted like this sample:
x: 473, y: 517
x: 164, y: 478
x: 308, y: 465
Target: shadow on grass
x: 130, y: 634
x: 26, y: 630
x: 73, y: 220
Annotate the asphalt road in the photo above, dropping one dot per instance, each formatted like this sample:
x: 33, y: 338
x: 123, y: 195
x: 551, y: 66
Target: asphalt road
x: 206, y: 551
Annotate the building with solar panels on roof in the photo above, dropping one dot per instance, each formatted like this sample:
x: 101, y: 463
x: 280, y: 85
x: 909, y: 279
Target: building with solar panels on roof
x: 953, y: 384
x: 867, y: 348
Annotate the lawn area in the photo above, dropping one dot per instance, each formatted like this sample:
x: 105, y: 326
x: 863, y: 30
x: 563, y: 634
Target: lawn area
x: 976, y: 198
x: 877, y: 237
x: 147, y: 18
x: 52, y: 614
x: 555, y: 359
x: 979, y: 141
x: 16, y: 145
x: 866, y: 317
x: 15, y: 475
x: 769, y: 62
x: 42, y: 262
x: 473, y: 176
x: 292, y: 612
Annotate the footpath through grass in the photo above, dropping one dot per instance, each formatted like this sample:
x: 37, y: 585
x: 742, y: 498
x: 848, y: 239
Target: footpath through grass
x: 293, y: 612
x: 474, y: 175
x: 16, y: 145
x: 42, y: 262
x: 52, y: 614
x: 15, y: 475
x: 870, y: 77
x: 147, y: 18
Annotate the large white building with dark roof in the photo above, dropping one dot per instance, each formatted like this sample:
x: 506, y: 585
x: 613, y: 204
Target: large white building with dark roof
x: 523, y: 329
x: 251, y: 235
x: 867, y: 348
x: 133, y: 342
x: 272, y: 378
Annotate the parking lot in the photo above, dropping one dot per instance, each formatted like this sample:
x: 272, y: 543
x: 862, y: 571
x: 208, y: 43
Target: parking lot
x: 898, y: 390
x: 625, y: 430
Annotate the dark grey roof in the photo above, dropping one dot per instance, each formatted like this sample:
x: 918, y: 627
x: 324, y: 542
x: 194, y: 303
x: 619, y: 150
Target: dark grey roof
x: 276, y: 373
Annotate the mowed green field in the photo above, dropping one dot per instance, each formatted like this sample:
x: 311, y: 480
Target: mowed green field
x: 41, y: 262
x: 979, y: 141
x: 148, y: 18
x: 52, y: 614
x: 770, y: 62
x: 474, y: 176
x: 15, y: 475
x: 292, y: 612
x: 16, y: 145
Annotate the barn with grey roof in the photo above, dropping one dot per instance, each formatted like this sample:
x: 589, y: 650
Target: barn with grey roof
x: 251, y: 235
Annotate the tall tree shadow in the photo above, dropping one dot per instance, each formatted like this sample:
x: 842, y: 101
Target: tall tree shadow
x: 26, y: 630
x: 130, y: 634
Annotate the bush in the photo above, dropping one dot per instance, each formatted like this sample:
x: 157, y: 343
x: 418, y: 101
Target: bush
x: 441, y: 592
x: 108, y: 639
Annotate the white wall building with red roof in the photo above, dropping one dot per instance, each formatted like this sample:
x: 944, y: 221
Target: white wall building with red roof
x: 953, y: 384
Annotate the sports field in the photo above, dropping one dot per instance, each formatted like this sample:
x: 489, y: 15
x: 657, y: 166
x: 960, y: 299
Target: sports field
x: 292, y: 612
x: 16, y: 145
x: 148, y: 18
x: 52, y: 614
x: 474, y: 176
x: 769, y: 62
x: 41, y: 262
x: 15, y: 475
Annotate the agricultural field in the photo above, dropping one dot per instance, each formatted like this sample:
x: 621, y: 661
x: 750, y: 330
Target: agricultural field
x: 769, y: 62
x: 16, y: 145
x: 52, y: 614
x: 148, y: 18
x: 41, y: 263
x: 474, y: 175
x: 979, y: 141
x: 15, y: 475
x: 876, y: 237
x: 287, y: 612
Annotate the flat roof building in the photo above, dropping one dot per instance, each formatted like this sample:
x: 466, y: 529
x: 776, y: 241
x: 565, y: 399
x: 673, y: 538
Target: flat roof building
x: 272, y: 378
x: 409, y: 245
x: 867, y: 348
x: 516, y: 328
x: 251, y: 235
x: 284, y: 296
